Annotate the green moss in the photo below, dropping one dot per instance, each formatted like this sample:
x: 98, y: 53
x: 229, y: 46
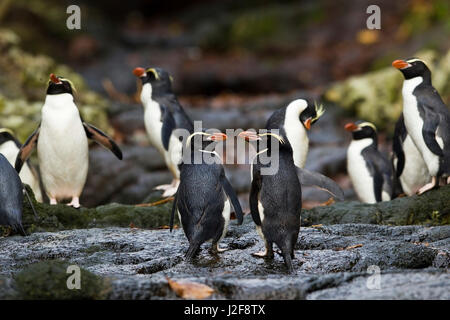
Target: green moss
x: 61, y: 217
x: 431, y: 208
x: 48, y: 280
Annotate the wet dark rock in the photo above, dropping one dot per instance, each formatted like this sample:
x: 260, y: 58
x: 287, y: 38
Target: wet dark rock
x: 134, y: 263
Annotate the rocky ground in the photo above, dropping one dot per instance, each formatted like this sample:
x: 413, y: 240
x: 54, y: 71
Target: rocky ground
x: 332, y: 262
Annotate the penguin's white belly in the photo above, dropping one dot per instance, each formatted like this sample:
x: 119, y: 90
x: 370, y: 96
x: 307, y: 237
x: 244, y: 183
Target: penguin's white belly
x: 174, y: 156
x: 359, y: 173
x: 414, y: 125
x: 62, y: 152
x: 10, y: 150
x: 153, y: 125
x: 415, y: 172
x: 226, y: 216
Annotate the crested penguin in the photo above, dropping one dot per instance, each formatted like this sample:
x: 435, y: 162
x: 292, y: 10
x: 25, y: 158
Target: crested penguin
x: 293, y: 121
x: 204, y: 195
x: 427, y: 119
x: 162, y: 115
x: 9, y: 147
x: 410, y: 170
x: 11, y: 197
x: 275, y: 199
x: 62, y: 144
x: 369, y: 171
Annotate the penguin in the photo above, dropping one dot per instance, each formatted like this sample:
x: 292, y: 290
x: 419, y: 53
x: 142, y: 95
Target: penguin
x: 427, y: 119
x: 294, y: 121
x: 204, y: 197
x: 11, y: 197
x: 369, y: 171
x: 162, y: 115
x: 9, y: 147
x: 276, y: 199
x: 410, y: 170
x: 62, y: 144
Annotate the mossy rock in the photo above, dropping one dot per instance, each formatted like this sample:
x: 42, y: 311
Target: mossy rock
x: 47, y: 280
x: 62, y: 217
x: 431, y: 208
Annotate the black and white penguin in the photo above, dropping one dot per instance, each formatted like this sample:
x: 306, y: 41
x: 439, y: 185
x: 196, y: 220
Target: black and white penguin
x: 410, y: 170
x: 427, y: 119
x: 11, y: 197
x: 9, y: 147
x: 369, y: 171
x: 293, y: 121
x: 276, y: 198
x: 204, y: 195
x: 162, y: 115
x: 62, y: 144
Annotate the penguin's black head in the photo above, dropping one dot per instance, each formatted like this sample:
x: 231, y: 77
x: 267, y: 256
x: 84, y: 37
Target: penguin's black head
x: 159, y: 79
x: 362, y: 130
x: 7, y: 135
x: 412, y: 67
x: 58, y: 85
x: 311, y: 114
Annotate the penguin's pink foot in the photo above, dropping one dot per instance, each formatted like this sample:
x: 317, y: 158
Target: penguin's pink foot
x: 448, y: 180
x: 428, y: 186
x: 260, y: 254
x: 74, y: 203
x: 219, y: 249
x: 53, y: 201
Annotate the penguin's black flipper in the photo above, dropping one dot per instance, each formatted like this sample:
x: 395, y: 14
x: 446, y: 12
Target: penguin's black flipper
x: 309, y: 178
x: 168, y: 126
x: 254, y: 193
x: 400, y: 134
x: 172, y: 214
x: 26, y: 150
x: 101, y: 138
x: 430, y: 126
x: 234, y: 200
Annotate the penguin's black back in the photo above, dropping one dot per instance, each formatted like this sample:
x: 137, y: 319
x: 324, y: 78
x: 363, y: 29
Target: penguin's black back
x: 281, y: 198
x: 430, y: 104
x: 11, y: 196
x: 200, y: 200
x: 169, y: 100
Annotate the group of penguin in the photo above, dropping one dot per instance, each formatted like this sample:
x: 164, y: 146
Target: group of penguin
x: 203, y: 196
x: 420, y: 159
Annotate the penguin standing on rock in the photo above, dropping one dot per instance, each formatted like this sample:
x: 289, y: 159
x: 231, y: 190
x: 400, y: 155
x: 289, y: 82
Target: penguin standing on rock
x: 293, y: 121
x: 427, y: 119
x: 410, y: 170
x: 62, y: 144
x: 9, y: 147
x: 11, y: 197
x: 204, y: 195
x: 275, y: 199
x: 163, y: 114
x: 369, y: 171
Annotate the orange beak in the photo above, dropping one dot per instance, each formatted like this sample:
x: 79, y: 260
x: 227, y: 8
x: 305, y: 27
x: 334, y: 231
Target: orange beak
x: 351, y: 127
x: 249, y: 136
x: 139, y: 72
x: 218, y: 136
x: 54, y: 78
x: 400, y: 64
x: 307, y: 123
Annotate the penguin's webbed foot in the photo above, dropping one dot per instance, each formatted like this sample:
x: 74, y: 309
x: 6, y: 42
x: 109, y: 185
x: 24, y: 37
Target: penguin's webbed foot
x: 216, y: 249
x: 266, y: 254
x: 169, y: 189
x: 428, y: 186
x: 75, y: 203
